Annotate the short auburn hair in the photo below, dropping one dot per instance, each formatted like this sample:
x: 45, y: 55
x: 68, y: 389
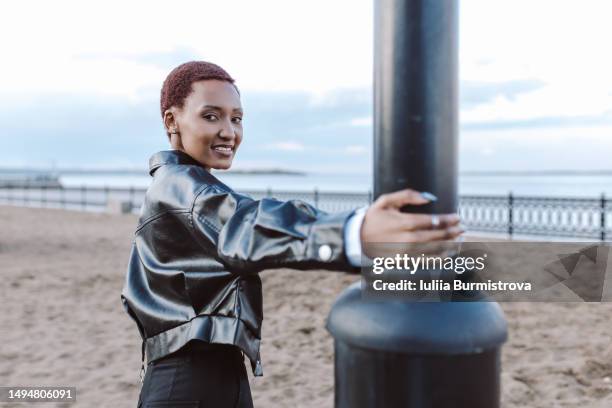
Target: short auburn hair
x: 177, y: 85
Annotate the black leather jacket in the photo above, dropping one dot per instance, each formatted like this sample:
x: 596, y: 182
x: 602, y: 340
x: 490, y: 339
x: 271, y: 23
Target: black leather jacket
x: 198, y: 248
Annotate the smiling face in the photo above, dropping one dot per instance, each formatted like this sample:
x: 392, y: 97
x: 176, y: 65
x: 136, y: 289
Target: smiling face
x: 209, y: 126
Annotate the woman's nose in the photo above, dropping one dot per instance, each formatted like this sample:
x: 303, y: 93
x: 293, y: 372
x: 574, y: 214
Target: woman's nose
x: 227, y: 129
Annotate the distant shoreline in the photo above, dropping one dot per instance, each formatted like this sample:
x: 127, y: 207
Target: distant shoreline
x: 286, y: 172
x: 136, y: 172
x: 538, y: 173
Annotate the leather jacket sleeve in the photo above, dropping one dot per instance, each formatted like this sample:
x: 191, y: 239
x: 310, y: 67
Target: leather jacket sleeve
x: 252, y: 235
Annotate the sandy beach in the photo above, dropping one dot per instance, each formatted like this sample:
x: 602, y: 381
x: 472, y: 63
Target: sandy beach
x: 63, y: 324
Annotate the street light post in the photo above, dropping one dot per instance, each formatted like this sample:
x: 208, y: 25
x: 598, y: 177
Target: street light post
x: 416, y: 354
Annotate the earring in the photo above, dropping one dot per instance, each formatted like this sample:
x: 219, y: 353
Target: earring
x: 173, y: 131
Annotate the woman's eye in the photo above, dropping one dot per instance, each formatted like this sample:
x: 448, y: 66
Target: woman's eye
x: 210, y: 117
x: 237, y: 119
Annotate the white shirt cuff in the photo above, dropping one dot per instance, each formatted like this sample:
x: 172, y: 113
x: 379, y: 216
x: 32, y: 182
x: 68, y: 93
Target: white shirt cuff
x: 352, y: 236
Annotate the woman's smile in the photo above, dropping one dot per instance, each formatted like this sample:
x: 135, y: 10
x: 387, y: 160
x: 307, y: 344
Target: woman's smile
x: 224, y: 150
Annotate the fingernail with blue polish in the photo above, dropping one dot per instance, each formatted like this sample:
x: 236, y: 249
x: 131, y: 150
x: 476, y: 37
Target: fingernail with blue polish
x: 428, y: 196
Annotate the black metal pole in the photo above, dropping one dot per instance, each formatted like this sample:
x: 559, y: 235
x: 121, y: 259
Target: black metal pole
x: 415, y: 99
x: 416, y: 354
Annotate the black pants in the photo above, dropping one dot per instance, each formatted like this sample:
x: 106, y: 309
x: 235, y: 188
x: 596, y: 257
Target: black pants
x: 199, y: 375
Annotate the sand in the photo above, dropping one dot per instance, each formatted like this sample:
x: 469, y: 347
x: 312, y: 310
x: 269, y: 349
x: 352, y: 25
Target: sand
x: 63, y: 324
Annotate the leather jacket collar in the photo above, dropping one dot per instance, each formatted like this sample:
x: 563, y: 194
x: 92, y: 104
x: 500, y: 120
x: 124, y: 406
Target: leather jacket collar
x: 170, y: 157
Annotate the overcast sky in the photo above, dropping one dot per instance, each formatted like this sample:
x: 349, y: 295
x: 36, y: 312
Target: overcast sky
x: 80, y: 81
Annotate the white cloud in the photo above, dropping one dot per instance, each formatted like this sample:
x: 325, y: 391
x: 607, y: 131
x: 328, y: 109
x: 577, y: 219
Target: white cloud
x: 356, y: 150
x: 296, y: 146
x: 560, y: 42
x: 290, y: 146
x: 272, y: 45
x: 266, y: 45
x: 366, y: 121
x: 552, y: 148
x: 487, y: 151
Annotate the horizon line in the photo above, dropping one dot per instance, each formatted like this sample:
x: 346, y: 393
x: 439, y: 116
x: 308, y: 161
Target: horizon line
x: 278, y: 170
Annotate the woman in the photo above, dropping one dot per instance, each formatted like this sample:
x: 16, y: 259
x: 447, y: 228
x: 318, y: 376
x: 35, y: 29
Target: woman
x: 192, y: 283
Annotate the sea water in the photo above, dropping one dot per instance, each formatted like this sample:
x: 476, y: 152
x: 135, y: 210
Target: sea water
x: 535, y: 185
